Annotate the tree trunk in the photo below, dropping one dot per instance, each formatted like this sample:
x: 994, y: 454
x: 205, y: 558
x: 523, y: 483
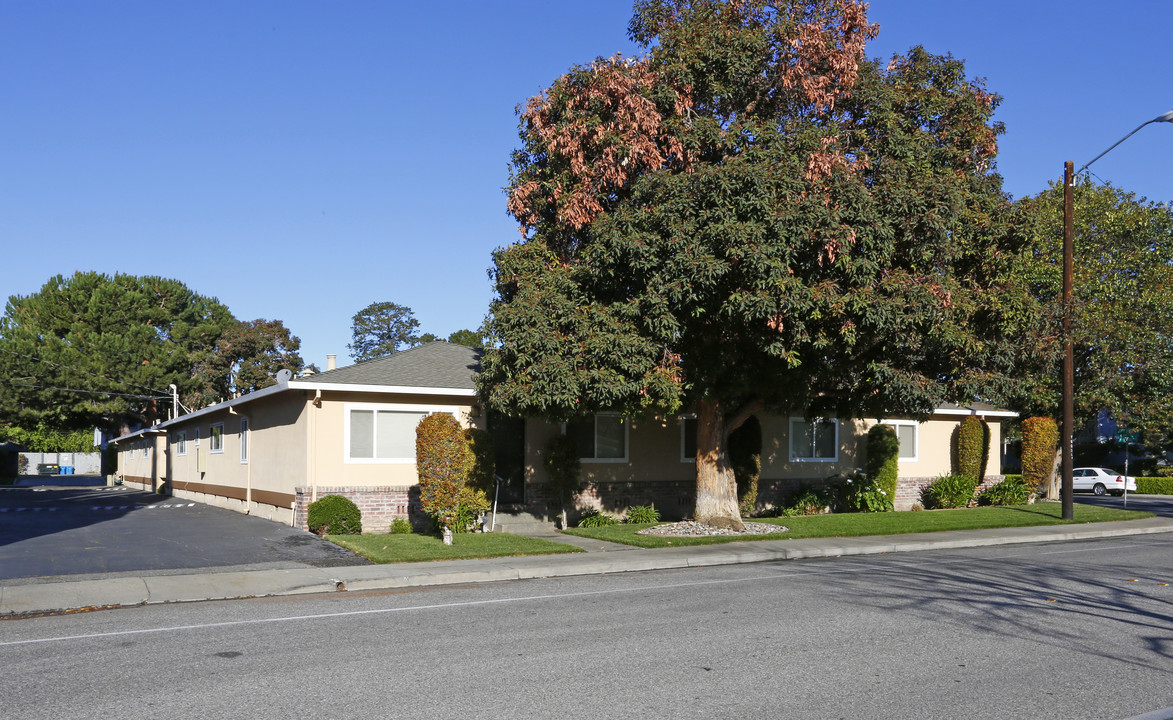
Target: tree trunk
x: 716, y: 487
x: 1053, y: 482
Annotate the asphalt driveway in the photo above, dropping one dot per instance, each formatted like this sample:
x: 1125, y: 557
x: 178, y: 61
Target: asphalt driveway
x: 53, y: 531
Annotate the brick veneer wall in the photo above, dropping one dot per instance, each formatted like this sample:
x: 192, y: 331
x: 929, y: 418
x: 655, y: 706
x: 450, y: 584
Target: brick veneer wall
x: 908, y: 490
x: 378, y: 505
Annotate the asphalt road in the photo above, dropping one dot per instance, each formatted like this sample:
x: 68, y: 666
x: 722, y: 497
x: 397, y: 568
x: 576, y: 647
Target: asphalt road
x: 87, y: 531
x: 1071, y: 630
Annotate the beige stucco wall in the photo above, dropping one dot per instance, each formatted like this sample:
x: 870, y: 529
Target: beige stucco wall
x: 653, y: 454
x: 276, y: 458
x: 143, y: 471
x: 326, y: 435
x: 654, y: 451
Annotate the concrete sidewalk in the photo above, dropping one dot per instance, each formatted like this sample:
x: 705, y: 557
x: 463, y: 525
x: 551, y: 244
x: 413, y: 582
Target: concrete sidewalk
x: 43, y: 597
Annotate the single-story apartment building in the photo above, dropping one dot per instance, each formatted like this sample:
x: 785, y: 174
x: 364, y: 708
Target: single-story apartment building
x: 351, y: 431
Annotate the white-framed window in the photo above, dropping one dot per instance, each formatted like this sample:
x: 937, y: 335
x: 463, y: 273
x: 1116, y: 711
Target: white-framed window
x: 244, y: 437
x: 814, y: 440
x: 216, y: 438
x: 601, y: 438
x: 384, y: 433
x: 181, y: 442
x: 907, y: 433
x: 688, y: 438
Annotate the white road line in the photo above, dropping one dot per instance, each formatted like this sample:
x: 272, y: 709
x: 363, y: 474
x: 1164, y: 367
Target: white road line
x: 858, y: 568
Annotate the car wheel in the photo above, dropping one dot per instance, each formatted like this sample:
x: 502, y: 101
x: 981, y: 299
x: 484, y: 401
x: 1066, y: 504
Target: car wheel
x: 1099, y: 489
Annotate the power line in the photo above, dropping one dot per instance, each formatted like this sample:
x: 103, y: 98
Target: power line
x: 86, y: 392
x: 86, y: 372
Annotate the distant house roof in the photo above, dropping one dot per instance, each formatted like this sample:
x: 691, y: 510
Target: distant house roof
x: 434, y: 365
x: 438, y: 368
x: 976, y: 408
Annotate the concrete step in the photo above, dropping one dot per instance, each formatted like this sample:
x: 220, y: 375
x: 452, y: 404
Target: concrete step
x: 521, y: 522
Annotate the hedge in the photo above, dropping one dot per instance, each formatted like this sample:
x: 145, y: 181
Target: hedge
x: 1154, y: 485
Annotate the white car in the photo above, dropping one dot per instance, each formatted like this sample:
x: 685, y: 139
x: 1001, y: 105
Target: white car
x: 1101, y: 481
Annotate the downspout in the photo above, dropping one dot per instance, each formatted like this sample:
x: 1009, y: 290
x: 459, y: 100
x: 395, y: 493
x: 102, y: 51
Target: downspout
x: 248, y: 472
x: 311, y: 445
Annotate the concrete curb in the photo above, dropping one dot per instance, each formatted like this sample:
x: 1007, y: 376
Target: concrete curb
x: 212, y: 585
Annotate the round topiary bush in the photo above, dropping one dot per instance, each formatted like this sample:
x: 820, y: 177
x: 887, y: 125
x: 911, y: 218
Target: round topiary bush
x: 334, y: 515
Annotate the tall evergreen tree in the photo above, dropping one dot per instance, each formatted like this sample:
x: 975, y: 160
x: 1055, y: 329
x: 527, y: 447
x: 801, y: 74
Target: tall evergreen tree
x: 751, y: 216
x: 94, y: 350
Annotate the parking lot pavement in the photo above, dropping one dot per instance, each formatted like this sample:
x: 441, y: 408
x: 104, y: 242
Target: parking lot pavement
x: 50, y: 532
x: 1161, y: 505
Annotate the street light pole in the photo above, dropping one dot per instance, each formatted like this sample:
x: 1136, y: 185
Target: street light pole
x: 1068, y: 432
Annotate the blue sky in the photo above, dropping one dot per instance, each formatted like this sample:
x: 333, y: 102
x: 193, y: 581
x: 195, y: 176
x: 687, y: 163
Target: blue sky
x: 301, y: 160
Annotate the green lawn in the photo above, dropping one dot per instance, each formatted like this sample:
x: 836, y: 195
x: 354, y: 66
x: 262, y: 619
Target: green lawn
x: 421, y: 548
x: 892, y: 523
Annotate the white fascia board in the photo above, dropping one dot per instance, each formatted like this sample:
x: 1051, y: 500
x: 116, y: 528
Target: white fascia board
x: 249, y: 397
x: 979, y: 413
x: 310, y: 385
x: 154, y: 429
x: 384, y: 389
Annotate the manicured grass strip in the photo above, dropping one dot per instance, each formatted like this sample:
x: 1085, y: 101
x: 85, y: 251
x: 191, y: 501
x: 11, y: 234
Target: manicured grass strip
x: 892, y: 523
x: 422, y: 548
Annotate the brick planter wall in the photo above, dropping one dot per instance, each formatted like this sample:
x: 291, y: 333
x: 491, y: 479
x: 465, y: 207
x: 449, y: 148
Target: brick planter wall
x: 908, y: 490
x: 379, y: 505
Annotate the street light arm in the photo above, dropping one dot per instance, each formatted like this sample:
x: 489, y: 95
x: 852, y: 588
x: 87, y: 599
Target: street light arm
x: 1167, y: 117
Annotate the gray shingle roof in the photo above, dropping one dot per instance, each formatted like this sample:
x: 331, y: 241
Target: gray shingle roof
x: 434, y: 365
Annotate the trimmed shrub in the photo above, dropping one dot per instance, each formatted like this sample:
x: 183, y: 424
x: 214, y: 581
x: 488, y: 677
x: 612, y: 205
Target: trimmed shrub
x: 597, y: 518
x: 642, y: 515
x: 483, y: 474
x: 400, y: 526
x: 1154, y: 485
x: 883, y: 458
x: 745, y: 455
x: 972, y: 443
x: 445, y: 463
x: 1040, y: 443
x: 949, y: 491
x: 563, y: 467
x: 334, y: 515
x: 1011, y: 491
x: 441, y: 450
x: 472, y: 503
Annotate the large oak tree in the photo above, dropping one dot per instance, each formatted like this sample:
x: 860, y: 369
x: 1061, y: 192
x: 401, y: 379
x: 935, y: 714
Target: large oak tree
x: 752, y: 216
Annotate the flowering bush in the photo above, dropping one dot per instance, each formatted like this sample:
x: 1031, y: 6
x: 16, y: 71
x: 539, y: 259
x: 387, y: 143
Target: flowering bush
x: 856, y: 492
